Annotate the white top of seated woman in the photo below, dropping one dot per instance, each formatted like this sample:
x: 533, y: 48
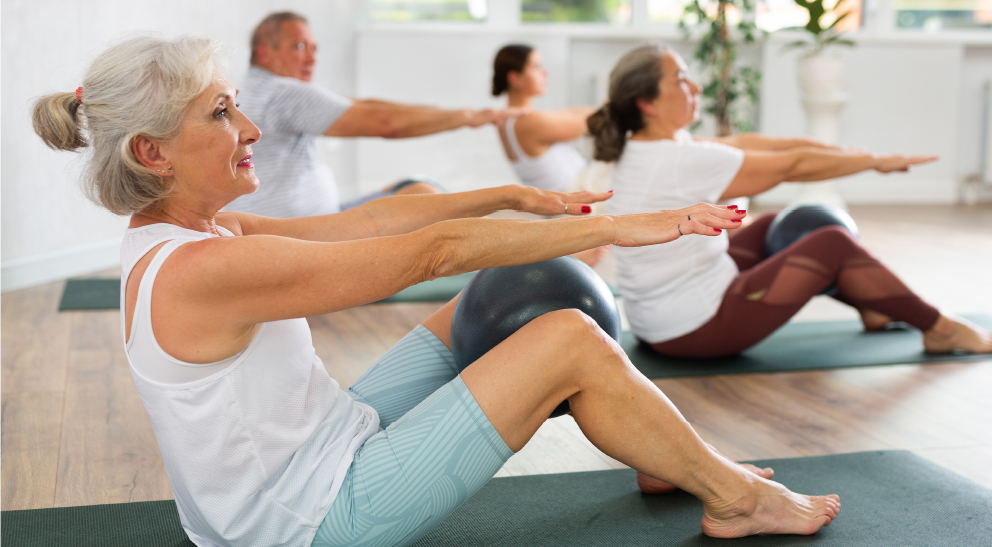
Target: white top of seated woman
x: 556, y: 169
x: 256, y: 446
x: 673, y: 289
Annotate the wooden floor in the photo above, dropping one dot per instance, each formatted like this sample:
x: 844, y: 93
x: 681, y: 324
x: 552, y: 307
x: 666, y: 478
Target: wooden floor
x: 74, y: 431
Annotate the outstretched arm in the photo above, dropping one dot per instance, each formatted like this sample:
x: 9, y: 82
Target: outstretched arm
x: 547, y: 128
x: 763, y: 170
x: 405, y: 213
x: 757, y: 141
x: 374, y: 118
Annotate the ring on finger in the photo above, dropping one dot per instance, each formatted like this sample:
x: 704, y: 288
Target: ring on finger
x: 679, y: 228
x: 566, y: 208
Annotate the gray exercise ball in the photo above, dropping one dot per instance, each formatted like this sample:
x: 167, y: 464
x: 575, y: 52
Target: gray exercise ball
x: 499, y: 301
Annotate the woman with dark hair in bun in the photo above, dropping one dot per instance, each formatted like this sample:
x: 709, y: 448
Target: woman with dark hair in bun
x: 540, y: 145
x: 689, y: 298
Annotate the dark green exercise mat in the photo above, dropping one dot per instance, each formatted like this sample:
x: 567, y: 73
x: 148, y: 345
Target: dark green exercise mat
x: 888, y: 499
x: 804, y: 346
x: 91, y: 294
x: 105, y: 294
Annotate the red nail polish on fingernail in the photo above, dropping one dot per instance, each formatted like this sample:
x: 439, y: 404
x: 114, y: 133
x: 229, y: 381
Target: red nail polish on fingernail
x: 736, y: 220
x: 731, y: 207
x: 719, y: 231
x: 610, y: 192
x: 586, y: 209
x: 741, y: 211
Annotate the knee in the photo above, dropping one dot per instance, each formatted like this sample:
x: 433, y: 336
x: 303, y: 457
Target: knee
x: 832, y: 237
x: 418, y: 187
x: 577, y: 335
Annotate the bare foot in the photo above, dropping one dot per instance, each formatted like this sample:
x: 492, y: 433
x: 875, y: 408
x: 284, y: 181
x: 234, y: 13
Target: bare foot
x: 872, y: 320
x: 593, y: 256
x: 953, y: 333
x: 769, y: 508
x: 651, y: 485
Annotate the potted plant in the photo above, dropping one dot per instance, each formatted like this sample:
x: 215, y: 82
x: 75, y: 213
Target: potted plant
x: 730, y: 90
x: 820, y: 73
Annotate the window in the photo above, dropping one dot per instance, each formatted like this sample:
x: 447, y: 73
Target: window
x: 770, y: 15
x: 616, y: 12
x: 428, y: 10
x: 934, y: 15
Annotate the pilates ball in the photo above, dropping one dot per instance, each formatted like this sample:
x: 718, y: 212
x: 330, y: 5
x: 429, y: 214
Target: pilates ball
x: 499, y: 301
x: 794, y: 223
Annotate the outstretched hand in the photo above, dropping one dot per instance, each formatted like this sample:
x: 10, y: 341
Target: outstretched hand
x: 899, y: 162
x: 479, y: 118
x: 664, y: 226
x: 549, y: 203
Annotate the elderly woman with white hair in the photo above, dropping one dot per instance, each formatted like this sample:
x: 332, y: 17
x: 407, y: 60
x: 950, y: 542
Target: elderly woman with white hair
x: 261, y: 446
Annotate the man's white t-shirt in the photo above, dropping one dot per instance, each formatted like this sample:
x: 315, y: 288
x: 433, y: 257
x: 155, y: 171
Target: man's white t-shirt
x: 673, y: 289
x: 292, y: 115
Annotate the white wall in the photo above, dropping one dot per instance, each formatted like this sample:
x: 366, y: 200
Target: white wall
x: 49, y: 230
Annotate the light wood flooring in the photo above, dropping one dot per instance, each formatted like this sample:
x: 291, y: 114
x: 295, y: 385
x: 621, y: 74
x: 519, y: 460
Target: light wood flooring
x: 74, y: 431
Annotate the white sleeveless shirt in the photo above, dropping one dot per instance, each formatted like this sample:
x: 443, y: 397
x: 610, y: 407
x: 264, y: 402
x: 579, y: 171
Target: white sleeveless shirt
x: 255, y: 446
x: 555, y: 169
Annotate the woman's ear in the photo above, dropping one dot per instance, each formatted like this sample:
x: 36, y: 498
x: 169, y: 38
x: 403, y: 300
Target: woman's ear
x: 513, y: 78
x: 149, y: 154
x: 647, y: 109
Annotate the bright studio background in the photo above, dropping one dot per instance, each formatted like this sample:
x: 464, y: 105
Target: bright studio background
x: 912, y: 91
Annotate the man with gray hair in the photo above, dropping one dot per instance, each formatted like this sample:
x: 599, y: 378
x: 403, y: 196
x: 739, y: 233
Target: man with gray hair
x: 292, y: 113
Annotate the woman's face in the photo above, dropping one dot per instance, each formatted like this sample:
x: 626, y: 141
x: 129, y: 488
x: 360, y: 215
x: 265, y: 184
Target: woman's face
x: 211, y: 157
x: 677, y: 105
x: 533, y: 80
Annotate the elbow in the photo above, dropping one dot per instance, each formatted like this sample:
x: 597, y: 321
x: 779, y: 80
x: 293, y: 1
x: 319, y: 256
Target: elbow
x: 389, y: 128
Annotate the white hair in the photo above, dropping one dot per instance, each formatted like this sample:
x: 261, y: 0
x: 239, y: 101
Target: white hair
x: 140, y: 86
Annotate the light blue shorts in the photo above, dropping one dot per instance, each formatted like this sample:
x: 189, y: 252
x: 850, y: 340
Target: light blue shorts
x: 437, y: 448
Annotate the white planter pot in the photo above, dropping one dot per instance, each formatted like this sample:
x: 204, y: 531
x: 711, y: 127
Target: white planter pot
x: 821, y: 76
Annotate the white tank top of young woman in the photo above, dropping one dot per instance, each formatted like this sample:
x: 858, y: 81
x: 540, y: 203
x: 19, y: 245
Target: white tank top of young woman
x: 255, y: 446
x: 556, y: 169
x: 673, y: 289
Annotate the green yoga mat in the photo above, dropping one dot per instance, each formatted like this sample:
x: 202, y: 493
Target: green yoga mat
x: 104, y: 294
x: 804, y: 346
x: 888, y: 499
x: 91, y: 294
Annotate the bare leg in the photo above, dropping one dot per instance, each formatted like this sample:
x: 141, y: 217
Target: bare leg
x: 417, y: 188
x: 592, y: 256
x: 564, y: 355
x: 651, y: 485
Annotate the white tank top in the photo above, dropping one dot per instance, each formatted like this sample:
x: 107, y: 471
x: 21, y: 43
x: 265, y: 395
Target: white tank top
x: 256, y: 446
x: 555, y: 169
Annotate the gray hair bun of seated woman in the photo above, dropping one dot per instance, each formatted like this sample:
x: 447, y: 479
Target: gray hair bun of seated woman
x: 635, y: 76
x: 141, y: 85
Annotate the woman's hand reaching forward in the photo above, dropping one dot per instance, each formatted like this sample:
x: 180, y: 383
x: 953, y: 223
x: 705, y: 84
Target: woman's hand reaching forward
x: 664, y: 226
x: 549, y: 203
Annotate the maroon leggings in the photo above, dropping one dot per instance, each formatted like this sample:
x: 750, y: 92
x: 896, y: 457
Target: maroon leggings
x: 768, y: 291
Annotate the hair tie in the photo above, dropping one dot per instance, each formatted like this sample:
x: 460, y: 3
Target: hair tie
x: 79, y: 94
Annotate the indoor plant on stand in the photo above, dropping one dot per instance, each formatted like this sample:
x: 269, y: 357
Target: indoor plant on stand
x: 821, y: 76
